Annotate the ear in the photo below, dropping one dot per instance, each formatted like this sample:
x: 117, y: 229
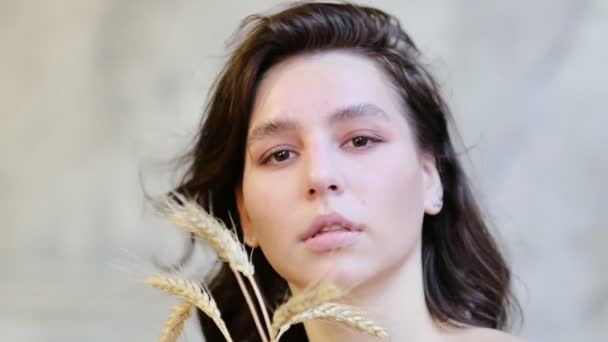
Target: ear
x: 433, y: 188
x: 248, y: 233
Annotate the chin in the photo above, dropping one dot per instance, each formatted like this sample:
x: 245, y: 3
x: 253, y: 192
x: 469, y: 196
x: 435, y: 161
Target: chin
x: 345, y: 271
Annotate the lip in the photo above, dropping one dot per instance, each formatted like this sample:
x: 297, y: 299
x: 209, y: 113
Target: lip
x: 330, y: 219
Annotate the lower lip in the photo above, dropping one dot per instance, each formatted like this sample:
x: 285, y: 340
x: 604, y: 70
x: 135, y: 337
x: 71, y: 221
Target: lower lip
x: 332, y: 240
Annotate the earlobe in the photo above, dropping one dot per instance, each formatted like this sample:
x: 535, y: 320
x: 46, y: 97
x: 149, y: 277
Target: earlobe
x: 248, y: 234
x: 433, y: 188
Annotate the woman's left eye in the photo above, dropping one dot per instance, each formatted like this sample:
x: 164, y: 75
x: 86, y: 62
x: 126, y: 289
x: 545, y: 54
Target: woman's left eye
x: 363, y: 141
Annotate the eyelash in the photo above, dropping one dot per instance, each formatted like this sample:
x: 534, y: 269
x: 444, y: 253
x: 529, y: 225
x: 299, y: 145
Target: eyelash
x: 373, y: 140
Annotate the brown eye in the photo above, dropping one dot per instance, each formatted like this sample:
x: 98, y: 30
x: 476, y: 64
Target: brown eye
x: 360, y: 141
x: 281, y: 155
x: 278, y: 157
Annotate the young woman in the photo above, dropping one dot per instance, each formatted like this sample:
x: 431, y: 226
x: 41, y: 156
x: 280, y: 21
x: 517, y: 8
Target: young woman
x: 327, y: 141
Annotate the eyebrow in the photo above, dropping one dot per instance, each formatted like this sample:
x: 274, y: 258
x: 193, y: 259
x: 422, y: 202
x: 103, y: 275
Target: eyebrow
x: 347, y: 113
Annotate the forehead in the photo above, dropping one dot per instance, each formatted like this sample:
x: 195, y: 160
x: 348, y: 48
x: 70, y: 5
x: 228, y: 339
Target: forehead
x: 311, y: 86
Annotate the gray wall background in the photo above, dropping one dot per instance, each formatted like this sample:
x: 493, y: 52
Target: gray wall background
x: 95, y: 93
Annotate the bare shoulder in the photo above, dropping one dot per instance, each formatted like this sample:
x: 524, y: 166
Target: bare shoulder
x: 486, y: 334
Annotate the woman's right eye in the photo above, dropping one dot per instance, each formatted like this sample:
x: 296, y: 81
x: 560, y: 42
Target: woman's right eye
x: 277, y: 157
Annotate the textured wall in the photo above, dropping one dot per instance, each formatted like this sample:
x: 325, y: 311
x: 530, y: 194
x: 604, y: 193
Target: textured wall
x: 96, y: 93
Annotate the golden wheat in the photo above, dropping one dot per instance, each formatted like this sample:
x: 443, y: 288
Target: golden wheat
x: 189, y: 215
x: 194, y: 294
x: 303, y: 301
x: 175, y: 323
x: 334, y: 312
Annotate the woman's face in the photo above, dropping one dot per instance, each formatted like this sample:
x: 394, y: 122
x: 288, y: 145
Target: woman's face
x: 329, y: 149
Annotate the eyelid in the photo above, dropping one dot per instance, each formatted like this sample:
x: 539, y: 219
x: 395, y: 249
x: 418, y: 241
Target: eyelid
x: 372, y: 141
x: 265, y: 159
x: 374, y: 136
x: 364, y: 132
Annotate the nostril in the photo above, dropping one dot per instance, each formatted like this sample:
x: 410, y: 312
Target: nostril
x: 313, y: 191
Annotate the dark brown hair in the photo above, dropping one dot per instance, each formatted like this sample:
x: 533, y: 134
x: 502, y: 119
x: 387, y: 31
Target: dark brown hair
x: 466, y: 279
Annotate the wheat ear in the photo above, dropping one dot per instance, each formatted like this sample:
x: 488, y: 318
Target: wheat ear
x: 303, y: 301
x: 334, y: 312
x: 189, y: 215
x: 194, y: 294
x: 175, y: 323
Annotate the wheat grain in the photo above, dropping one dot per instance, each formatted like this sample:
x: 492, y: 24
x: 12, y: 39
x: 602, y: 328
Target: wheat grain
x: 175, y: 323
x: 189, y: 215
x: 305, y: 300
x: 194, y: 294
x: 334, y: 312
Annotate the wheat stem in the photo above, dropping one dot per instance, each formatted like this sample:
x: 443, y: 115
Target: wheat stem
x: 260, y: 300
x: 252, y: 308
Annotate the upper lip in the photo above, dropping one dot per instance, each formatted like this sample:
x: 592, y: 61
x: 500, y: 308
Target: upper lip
x: 330, y: 219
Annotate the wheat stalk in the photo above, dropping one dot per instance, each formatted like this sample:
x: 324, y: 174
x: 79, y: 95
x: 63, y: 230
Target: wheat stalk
x: 256, y: 318
x: 189, y: 215
x: 194, y: 294
x: 334, y: 312
x: 260, y: 300
x: 175, y: 323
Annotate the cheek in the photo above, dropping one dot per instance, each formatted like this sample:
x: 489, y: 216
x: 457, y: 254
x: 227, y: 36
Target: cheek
x: 395, y: 198
x: 404, y: 190
x: 271, y: 206
x: 268, y: 200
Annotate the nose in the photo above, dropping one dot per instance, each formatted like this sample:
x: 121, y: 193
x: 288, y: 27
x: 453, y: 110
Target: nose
x: 323, y: 174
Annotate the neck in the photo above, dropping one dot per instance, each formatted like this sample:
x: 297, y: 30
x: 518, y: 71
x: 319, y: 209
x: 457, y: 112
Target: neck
x: 394, y: 300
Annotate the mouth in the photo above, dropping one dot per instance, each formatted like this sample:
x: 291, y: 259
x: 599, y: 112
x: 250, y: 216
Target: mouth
x: 329, y: 232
